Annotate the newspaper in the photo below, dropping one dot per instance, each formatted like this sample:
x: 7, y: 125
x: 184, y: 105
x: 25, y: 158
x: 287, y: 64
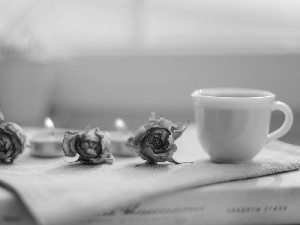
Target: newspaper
x: 57, y: 192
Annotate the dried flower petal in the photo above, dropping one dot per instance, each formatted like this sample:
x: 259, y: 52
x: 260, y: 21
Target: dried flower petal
x: 12, y: 141
x: 1, y: 117
x: 92, y: 146
x: 154, y: 141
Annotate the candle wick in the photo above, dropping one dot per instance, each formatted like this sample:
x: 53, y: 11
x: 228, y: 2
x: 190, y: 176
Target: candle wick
x: 52, y: 131
x: 48, y: 123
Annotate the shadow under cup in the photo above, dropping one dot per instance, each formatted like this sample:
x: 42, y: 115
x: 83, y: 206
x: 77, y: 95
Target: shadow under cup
x: 233, y: 123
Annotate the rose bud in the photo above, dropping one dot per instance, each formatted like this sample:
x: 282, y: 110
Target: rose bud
x: 12, y: 141
x: 91, y: 145
x: 154, y: 141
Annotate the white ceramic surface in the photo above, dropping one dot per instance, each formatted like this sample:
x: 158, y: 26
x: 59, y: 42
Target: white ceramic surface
x: 233, y: 123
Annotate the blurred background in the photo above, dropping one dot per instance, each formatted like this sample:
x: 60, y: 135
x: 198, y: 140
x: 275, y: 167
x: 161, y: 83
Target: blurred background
x: 87, y: 62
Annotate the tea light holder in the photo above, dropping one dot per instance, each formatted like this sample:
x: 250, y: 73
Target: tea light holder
x: 49, y: 142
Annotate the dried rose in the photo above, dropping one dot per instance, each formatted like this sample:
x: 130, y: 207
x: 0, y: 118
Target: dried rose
x: 91, y: 145
x: 154, y: 141
x: 1, y: 117
x: 12, y: 141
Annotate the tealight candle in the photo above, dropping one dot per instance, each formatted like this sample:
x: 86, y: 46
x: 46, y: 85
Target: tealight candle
x: 49, y: 142
x: 118, y: 143
x: 119, y: 139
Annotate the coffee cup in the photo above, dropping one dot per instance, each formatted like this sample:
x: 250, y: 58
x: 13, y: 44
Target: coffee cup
x: 233, y: 123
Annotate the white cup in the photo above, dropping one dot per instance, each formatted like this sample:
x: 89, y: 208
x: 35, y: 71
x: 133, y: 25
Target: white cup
x: 233, y: 123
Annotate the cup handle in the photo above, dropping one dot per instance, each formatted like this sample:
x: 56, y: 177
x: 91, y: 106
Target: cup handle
x: 287, y: 124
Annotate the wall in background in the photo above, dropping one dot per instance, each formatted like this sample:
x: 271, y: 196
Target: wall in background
x: 95, y: 90
x: 26, y: 90
x: 166, y: 81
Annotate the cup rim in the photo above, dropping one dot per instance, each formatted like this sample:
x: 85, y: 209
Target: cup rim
x: 211, y: 97
x: 214, y: 92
